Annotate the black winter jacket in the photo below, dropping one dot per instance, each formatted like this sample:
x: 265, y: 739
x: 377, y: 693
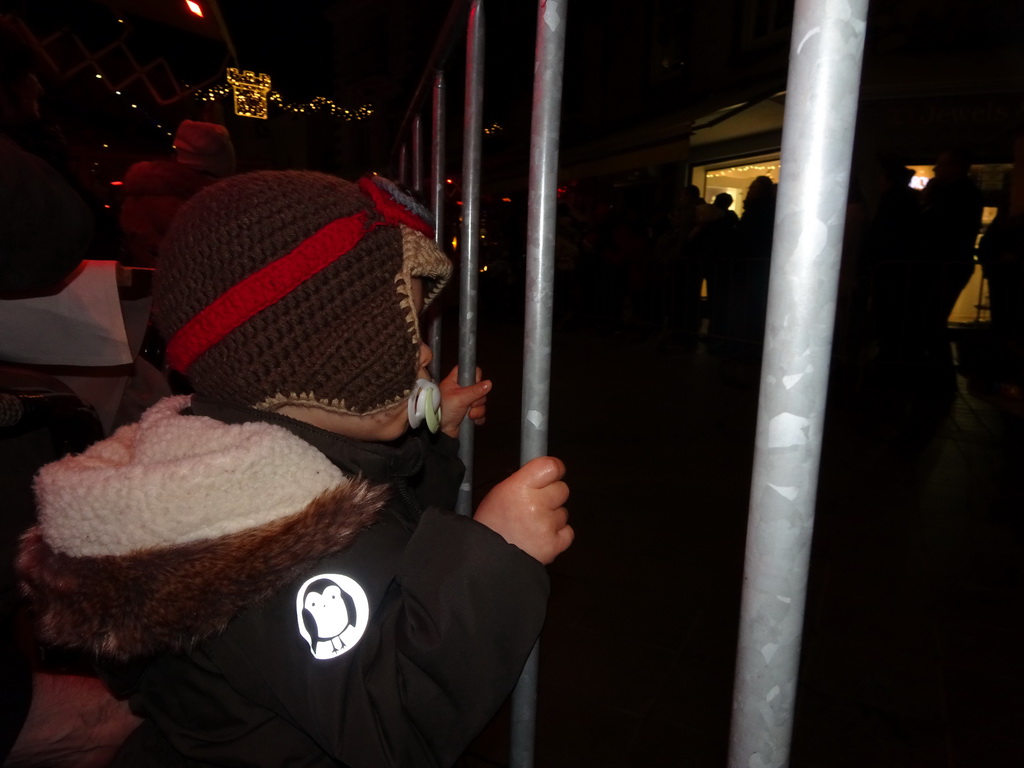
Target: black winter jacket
x: 365, y: 627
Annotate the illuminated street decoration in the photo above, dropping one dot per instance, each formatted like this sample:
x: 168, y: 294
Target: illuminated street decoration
x: 250, y: 90
x: 319, y: 105
x: 768, y: 169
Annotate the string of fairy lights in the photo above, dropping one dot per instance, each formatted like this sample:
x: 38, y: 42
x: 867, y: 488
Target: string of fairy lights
x: 766, y: 170
x: 317, y: 105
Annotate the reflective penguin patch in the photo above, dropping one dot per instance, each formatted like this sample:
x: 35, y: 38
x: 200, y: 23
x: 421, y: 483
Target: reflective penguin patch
x: 332, y: 612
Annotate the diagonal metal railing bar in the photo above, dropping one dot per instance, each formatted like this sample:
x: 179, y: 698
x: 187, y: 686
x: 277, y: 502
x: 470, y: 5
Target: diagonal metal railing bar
x: 449, y: 35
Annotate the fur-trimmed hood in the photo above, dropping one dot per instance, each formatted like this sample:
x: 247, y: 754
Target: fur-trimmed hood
x: 155, y: 538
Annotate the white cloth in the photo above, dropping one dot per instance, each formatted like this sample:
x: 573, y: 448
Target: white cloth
x: 87, y: 331
x: 80, y: 324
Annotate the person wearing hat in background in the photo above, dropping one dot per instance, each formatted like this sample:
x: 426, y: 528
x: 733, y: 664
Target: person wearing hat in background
x: 46, y: 227
x: 48, y: 716
x: 268, y: 567
x: 154, y: 190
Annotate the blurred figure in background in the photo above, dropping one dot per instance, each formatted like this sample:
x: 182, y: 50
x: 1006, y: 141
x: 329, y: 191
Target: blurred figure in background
x: 754, y: 237
x: 48, y: 716
x: 717, y: 241
x: 681, y: 288
x: 951, y: 217
x: 24, y: 124
x: 154, y: 190
x: 1001, y: 253
x: 45, y: 225
x: 890, y: 259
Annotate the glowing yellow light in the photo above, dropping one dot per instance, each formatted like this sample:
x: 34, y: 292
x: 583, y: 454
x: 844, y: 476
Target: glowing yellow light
x: 250, y: 91
x: 99, y: 76
x: 742, y: 169
x: 319, y: 104
x: 195, y: 7
x: 484, y: 269
x: 455, y: 242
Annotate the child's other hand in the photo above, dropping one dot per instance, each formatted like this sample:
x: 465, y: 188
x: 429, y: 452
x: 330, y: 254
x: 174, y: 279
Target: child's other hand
x: 527, y: 509
x: 458, y: 402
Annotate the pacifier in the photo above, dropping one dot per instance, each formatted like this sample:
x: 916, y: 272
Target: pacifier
x: 425, y: 405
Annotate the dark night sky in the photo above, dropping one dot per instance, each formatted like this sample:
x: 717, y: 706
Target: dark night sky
x: 291, y: 41
x: 295, y: 46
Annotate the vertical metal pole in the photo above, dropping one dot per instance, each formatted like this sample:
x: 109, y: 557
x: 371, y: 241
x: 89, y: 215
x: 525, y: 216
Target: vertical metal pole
x: 540, y: 285
x: 403, y: 162
x: 817, y: 143
x: 417, y: 155
x: 437, y: 180
x: 470, y: 241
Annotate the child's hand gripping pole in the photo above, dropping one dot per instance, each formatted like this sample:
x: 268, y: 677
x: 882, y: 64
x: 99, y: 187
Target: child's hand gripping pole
x: 460, y: 402
x: 528, y: 509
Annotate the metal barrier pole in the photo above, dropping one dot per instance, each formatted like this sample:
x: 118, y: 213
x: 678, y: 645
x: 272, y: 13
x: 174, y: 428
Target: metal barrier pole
x: 470, y: 241
x: 437, y: 180
x: 817, y: 141
x: 417, y: 154
x: 540, y: 287
x: 403, y: 163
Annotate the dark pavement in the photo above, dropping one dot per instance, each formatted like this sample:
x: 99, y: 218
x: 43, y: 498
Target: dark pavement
x: 915, y: 618
x: 915, y: 612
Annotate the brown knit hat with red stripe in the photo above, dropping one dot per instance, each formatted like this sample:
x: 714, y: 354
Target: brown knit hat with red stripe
x: 293, y: 287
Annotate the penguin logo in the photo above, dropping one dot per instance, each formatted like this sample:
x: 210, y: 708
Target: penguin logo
x: 332, y: 612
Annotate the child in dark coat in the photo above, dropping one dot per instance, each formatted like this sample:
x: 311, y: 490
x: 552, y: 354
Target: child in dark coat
x: 269, y: 567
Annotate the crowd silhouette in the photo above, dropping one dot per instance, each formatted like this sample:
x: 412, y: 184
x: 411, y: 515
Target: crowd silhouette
x: 698, y: 274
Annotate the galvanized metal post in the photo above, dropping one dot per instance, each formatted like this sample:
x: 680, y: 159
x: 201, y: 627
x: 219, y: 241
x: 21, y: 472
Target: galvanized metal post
x: 469, y: 245
x: 401, y: 177
x: 817, y: 141
x: 417, y: 154
x: 437, y: 181
x: 540, y: 284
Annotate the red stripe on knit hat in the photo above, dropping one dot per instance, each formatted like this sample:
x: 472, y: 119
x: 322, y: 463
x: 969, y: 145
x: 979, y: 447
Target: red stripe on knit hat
x: 264, y: 288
